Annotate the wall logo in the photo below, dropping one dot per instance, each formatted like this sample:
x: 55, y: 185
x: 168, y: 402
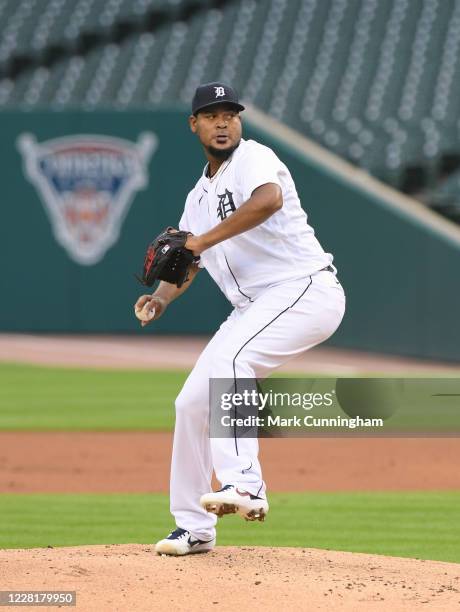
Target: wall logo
x: 87, y: 184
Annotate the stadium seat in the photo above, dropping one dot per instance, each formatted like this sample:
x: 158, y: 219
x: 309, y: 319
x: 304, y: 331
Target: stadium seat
x: 375, y: 82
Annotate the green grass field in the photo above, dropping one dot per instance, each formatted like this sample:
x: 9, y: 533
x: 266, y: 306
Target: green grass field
x: 423, y: 525
x: 70, y: 399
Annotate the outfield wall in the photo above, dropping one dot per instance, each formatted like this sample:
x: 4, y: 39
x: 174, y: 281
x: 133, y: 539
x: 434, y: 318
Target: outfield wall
x: 78, y: 213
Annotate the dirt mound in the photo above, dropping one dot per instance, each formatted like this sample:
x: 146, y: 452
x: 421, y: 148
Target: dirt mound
x: 132, y: 577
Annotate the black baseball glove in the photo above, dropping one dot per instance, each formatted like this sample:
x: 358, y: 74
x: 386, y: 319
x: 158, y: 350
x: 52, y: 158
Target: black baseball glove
x: 167, y: 259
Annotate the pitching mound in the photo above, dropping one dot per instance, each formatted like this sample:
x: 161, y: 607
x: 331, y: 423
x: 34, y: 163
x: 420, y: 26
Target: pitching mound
x: 131, y: 577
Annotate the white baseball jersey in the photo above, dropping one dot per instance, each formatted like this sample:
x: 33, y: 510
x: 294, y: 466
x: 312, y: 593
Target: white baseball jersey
x: 281, y: 249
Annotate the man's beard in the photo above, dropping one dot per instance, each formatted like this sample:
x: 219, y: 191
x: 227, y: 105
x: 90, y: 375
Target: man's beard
x: 221, y: 154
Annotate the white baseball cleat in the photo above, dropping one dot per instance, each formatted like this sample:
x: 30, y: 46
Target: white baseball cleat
x: 181, y: 542
x: 231, y: 500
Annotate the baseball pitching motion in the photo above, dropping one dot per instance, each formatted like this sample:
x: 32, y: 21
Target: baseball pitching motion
x: 242, y: 222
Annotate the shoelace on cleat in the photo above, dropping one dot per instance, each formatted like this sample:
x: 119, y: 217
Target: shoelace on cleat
x: 177, y: 533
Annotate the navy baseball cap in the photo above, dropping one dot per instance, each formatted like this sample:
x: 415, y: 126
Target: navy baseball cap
x: 209, y: 94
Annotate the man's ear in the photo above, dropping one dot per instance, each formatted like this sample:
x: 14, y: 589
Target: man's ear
x: 192, y: 123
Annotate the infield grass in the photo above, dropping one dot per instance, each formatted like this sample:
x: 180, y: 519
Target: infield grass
x: 71, y: 399
x: 42, y: 398
x: 38, y: 398
x: 422, y: 525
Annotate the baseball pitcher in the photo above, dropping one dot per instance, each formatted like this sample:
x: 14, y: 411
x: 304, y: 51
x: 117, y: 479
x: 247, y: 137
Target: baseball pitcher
x: 244, y: 224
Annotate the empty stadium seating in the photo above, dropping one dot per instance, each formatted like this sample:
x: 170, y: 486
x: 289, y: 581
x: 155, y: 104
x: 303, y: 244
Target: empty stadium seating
x: 376, y: 82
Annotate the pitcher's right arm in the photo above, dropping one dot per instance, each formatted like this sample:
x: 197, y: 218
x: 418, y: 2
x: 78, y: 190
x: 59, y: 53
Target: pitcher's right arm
x: 164, y: 294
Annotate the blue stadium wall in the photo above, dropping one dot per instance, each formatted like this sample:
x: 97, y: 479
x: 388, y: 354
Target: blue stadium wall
x: 401, y: 279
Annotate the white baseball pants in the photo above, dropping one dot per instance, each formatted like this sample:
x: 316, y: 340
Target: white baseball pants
x: 255, y: 340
